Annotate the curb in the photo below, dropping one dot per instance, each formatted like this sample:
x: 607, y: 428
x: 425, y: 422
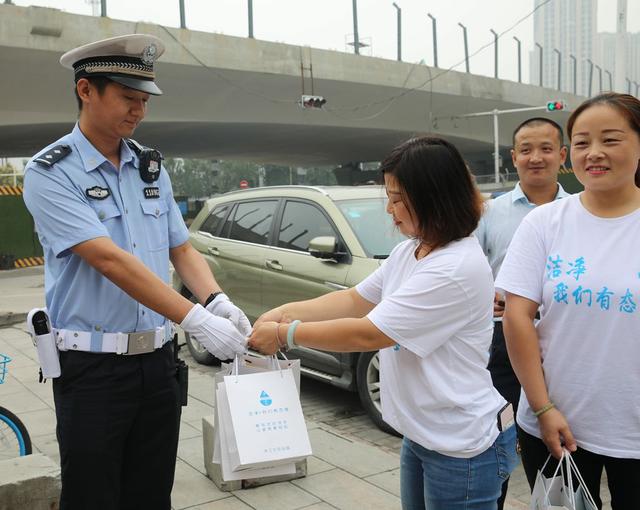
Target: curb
x: 10, y: 318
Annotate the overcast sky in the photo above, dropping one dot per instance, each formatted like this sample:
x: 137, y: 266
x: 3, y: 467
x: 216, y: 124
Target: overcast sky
x: 328, y: 24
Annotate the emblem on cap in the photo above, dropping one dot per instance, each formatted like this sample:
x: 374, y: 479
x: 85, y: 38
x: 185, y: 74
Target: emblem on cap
x: 149, y: 54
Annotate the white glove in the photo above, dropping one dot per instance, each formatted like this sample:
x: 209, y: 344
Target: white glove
x: 219, y: 336
x: 223, y: 307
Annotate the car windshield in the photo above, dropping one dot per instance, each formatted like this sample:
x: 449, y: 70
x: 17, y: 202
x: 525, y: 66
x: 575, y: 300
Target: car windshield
x: 372, y: 225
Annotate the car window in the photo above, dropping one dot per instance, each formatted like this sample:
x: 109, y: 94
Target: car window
x: 300, y: 223
x: 251, y: 221
x: 212, y: 224
x: 372, y: 225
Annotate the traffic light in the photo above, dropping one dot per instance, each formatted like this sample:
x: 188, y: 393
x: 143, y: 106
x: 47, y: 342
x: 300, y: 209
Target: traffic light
x: 554, y: 106
x: 312, y: 101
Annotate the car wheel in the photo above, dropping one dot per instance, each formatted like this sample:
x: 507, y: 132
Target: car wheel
x: 368, y: 382
x: 199, y: 353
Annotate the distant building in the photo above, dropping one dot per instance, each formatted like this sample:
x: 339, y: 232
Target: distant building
x: 606, y: 53
x: 570, y: 27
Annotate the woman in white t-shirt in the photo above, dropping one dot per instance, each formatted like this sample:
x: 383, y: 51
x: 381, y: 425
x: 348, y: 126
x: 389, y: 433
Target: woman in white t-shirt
x: 577, y: 259
x: 428, y: 309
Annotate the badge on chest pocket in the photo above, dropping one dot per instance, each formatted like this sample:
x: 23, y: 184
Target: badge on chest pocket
x: 151, y: 192
x: 97, y: 193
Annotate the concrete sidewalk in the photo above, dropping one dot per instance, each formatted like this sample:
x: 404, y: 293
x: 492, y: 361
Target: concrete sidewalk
x: 349, y: 469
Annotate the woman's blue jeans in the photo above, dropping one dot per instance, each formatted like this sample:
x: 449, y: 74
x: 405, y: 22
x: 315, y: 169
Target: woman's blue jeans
x: 432, y: 481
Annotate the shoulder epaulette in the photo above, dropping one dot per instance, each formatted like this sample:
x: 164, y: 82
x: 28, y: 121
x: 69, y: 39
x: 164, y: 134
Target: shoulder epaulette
x: 53, y: 155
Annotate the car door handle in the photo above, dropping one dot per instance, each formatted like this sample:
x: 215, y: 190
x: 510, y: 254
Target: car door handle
x: 213, y: 251
x: 274, y: 264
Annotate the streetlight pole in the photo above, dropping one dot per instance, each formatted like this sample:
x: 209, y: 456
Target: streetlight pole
x: 637, y: 85
x: 519, y: 59
x: 575, y: 74
x: 250, y: 12
x: 590, y: 76
x: 540, y: 64
x: 466, y: 47
x: 435, y: 40
x: 356, y: 39
x: 399, y: 18
x: 103, y: 8
x: 628, y: 85
x: 183, y: 23
x: 495, y: 52
x: 610, y: 80
x: 559, y: 66
x: 599, y: 78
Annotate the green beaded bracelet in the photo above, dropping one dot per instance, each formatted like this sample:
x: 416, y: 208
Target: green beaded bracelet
x: 290, y: 332
x: 547, y: 407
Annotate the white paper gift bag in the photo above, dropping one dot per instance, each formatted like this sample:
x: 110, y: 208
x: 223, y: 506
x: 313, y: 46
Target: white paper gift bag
x: 266, y: 418
x: 248, y: 364
x: 226, y: 443
x: 558, y: 491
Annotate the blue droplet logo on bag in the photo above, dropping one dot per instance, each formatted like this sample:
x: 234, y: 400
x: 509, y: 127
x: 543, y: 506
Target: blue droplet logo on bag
x: 265, y: 399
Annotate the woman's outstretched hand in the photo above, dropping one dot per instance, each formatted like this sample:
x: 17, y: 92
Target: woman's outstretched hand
x: 274, y: 315
x: 264, y: 337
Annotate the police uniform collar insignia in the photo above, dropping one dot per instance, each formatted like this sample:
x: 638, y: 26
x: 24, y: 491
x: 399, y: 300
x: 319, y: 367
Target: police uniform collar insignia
x: 53, y: 155
x: 152, y: 192
x: 97, y: 193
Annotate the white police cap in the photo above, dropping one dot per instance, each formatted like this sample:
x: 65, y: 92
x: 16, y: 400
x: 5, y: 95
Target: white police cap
x: 126, y: 59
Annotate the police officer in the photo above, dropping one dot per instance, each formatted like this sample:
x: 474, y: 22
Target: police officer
x: 106, y: 218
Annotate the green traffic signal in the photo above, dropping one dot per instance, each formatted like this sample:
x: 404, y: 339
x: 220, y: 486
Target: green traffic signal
x: 553, y: 106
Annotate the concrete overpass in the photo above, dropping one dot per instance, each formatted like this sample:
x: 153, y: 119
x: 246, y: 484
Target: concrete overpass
x: 236, y: 98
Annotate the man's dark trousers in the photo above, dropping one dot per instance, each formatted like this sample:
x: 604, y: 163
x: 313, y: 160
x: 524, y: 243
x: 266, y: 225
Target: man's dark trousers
x: 118, y: 419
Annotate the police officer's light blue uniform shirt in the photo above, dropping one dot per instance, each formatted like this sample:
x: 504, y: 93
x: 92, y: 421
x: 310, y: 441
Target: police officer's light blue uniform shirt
x: 83, y: 197
x: 500, y: 221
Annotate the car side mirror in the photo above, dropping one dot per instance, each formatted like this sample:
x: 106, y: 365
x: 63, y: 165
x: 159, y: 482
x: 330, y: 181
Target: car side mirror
x: 324, y: 248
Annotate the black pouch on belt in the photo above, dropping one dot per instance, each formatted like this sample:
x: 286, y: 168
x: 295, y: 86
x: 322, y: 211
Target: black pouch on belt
x: 182, y: 372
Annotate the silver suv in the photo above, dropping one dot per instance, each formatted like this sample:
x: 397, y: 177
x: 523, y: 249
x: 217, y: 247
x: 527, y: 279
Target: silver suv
x: 269, y: 246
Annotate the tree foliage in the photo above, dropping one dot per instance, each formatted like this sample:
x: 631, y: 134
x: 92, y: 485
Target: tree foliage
x: 199, y: 178
x: 6, y: 175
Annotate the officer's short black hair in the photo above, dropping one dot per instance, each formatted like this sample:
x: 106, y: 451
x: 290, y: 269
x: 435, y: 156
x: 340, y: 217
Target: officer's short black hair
x: 99, y: 82
x: 538, y: 121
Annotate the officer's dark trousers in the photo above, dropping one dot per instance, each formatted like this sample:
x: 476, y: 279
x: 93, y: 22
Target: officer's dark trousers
x: 505, y: 381
x: 118, y: 421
